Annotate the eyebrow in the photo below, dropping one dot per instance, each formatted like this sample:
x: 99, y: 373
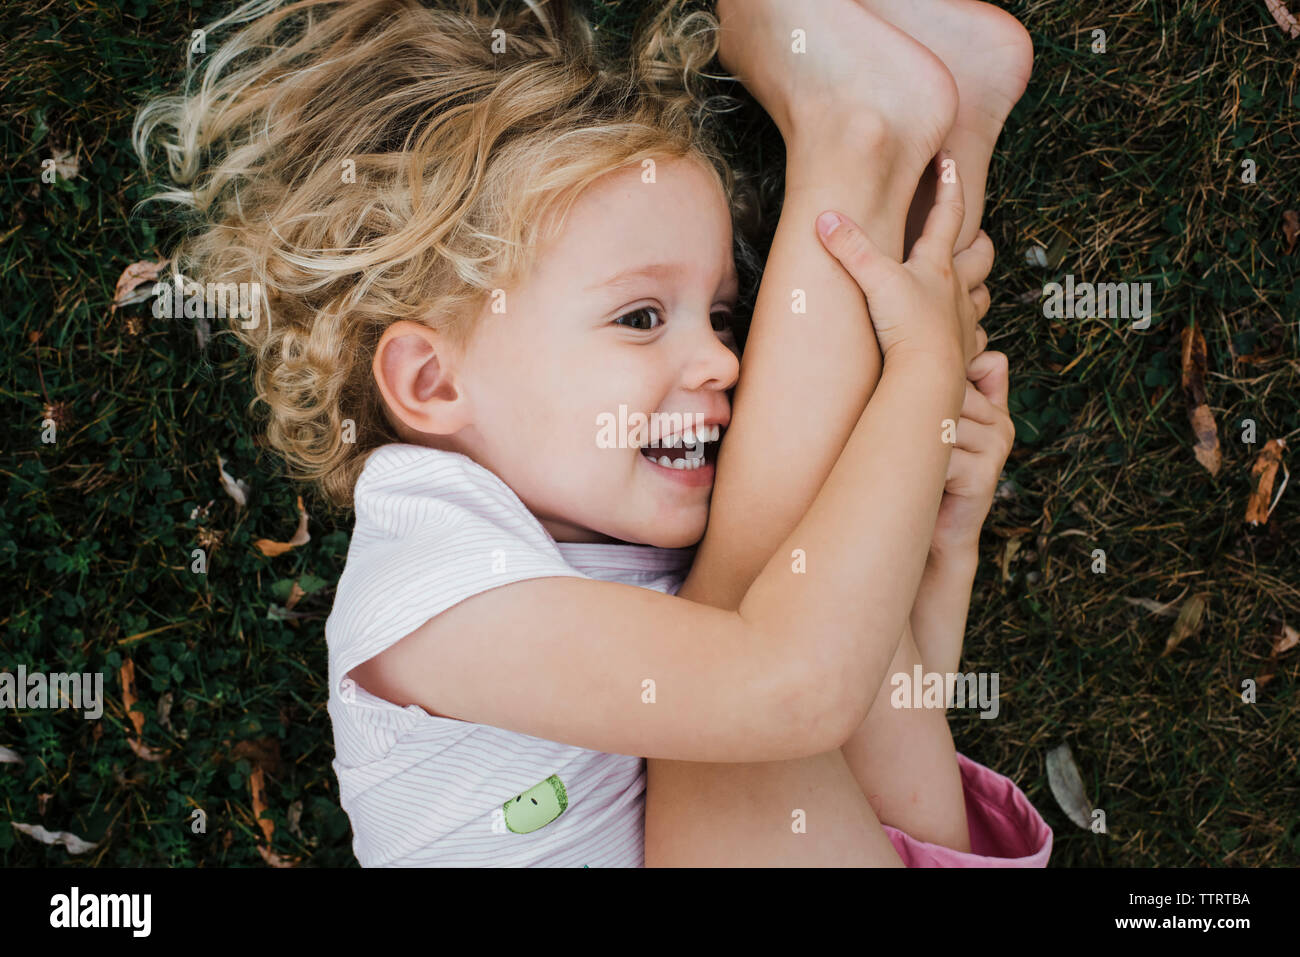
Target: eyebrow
x: 652, y: 271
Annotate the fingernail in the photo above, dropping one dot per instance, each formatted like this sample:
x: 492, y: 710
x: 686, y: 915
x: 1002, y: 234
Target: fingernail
x: 827, y: 223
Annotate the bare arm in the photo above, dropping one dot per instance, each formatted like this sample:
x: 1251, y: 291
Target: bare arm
x: 564, y: 659
x: 733, y: 685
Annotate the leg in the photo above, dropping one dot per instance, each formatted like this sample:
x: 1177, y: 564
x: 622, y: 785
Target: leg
x: 990, y: 56
x: 828, y: 358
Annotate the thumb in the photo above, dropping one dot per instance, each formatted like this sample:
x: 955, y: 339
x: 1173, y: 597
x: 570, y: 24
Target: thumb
x: 846, y: 241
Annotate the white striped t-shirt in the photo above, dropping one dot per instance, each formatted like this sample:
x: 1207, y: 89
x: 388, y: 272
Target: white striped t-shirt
x: 432, y: 529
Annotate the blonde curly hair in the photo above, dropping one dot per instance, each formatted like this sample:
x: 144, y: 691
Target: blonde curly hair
x: 375, y: 160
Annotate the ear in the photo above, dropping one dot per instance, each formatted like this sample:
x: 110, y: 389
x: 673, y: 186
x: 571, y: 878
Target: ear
x: 414, y: 369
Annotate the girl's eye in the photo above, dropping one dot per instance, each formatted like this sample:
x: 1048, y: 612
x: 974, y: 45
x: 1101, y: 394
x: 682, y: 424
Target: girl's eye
x: 642, y: 319
x: 721, y: 322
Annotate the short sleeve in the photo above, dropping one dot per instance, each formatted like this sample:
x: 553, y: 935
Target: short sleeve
x: 432, y: 529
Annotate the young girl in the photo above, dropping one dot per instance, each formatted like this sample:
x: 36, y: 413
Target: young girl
x: 480, y: 241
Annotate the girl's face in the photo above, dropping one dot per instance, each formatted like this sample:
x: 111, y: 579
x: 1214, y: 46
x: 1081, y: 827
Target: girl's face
x: 630, y: 306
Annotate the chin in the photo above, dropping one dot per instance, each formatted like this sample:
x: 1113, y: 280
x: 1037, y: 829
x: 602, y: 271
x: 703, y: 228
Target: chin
x: 685, y: 538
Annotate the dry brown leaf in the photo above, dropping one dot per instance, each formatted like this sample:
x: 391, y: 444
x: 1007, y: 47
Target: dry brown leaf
x: 65, y: 164
x: 129, y: 698
x: 296, y: 594
x: 144, y: 752
x: 257, y: 784
x: 1286, y: 639
x: 165, y: 711
x: 1009, y: 551
x: 1188, y: 623
x: 1067, y: 786
x: 1284, y: 17
x: 42, y: 802
x: 1262, y: 476
x: 1165, y: 610
x: 300, y: 537
x: 1291, y: 229
x: 1207, y: 432
x: 274, y: 859
x: 132, y: 276
x: 74, y: 844
x: 263, y: 754
x: 237, y: 489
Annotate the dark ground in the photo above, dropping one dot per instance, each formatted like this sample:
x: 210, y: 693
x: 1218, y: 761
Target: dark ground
x: 1125, y: 166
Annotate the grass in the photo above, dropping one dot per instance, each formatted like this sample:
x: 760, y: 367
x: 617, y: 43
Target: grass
x: 1124, y: 165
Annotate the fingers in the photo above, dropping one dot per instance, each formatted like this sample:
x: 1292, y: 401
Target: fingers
x: 981, y: 341
x: 990, y: 374
x: 949, y: 210
x: 979, y: 296
x: 846, y: 241
x: 977, y: 407
x: 975, y: 262
x: 979, y: 437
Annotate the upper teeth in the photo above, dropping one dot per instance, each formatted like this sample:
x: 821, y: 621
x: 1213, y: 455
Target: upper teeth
x: 705, y: 433
x: 694, y: 438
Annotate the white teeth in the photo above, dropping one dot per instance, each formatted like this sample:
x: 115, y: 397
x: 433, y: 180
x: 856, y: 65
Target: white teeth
x: 688, y: 436
x: 665, y: 461
x: 717, y: 433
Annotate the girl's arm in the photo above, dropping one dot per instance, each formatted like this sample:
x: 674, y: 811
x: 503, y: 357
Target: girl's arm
x: 984, y: 437
x: 795, y: 668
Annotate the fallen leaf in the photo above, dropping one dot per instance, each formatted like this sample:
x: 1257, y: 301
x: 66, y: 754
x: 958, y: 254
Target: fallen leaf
x: 1262, y: 476
x: 1067, y: 786
x: 295, y: 819
x: 127, y: 674
x: 65, y: 164
x: 1188, y: 623
x: 1291, y: 229
x: 263, y: 754
x: 144, y: 752
x: 274, y: 859
x: 132, y: 277
x: 300, y: 537
x: 10, y: 757
x: 1165, y: 610
x: 279, y: 613
x: 296, y: 594
x: 165, y: 711
x: 236, y: 489
x: 74, y: 844
x: 1286, y: 639
x: 1284, y: 17
x: 129, y: 698
x: 1207, y: 432
x: 1008, y: 554
x: 257, y: 784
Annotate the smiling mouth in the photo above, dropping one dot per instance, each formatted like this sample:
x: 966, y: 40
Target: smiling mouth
x: 687, y: 451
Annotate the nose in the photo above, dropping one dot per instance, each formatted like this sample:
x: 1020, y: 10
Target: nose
x: 710, y: 363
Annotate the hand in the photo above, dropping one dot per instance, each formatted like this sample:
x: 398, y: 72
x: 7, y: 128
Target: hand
x: 985, y: 435
x: 973, y: 264
x: 924, y: 305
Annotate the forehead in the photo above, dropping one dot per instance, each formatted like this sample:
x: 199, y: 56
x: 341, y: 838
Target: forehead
x: 673, y: 212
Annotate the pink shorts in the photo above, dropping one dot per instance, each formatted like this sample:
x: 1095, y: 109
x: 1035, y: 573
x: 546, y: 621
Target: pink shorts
x: 1005, y: 830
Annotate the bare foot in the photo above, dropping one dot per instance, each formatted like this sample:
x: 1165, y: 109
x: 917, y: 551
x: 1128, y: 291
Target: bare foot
x: 990, y: 55
x: 829, y: 70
